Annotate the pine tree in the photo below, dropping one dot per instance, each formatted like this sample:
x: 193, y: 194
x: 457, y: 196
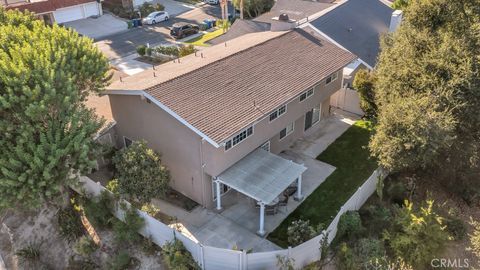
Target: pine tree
x: 46, y: 74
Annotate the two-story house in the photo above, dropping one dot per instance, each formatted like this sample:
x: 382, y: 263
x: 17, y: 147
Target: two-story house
x: 220, y: 116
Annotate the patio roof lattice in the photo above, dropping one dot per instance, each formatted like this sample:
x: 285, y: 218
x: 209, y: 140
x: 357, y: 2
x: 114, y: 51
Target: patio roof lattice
x: 261, y: 175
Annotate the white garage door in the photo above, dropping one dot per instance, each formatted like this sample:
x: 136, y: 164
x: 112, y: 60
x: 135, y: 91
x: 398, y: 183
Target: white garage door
x: 91, y: 9
x: 69, y: 14
x: 76, y: 13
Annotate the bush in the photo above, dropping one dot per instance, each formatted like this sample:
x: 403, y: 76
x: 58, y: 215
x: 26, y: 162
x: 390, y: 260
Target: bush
x: 69, y: 224
x: 186, y: 50
x: 141, y: 50
x: 121, y: 261
x: 177, y: 257
x: 417, y: 235
x: 456, y: 228
x: 112, y: 186
x: 148, y: 8
x: 148, y: 51
x: 350, y: 226
x: 150, y: 209
x: 376, y: 218
x: 81, y: 265
x: 475, y: 238
x: 99, y: 210
x: 397, y: 193
x: 167, y: 50
x: 346, y: 258
x: 141, y: 175
x: 85, y: 246
x: 300, y: 231
x: 369, y: 250
x: 127, y: 232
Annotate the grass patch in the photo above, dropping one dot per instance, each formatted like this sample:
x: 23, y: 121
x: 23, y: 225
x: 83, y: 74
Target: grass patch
x: 350, y: 155
x: 200, y: 41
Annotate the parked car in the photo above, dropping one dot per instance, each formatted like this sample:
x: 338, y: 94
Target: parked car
x: 181, y: 30
x: 155, y: 17
x: 212, y: 2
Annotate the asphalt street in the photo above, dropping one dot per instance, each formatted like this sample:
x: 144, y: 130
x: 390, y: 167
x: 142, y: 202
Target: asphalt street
x: 122, y: 44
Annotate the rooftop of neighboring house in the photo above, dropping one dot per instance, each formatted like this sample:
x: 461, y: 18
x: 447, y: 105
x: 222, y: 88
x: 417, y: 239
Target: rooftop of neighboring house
x: 45, y: 6
x: 235, y: 85
x: 295, y: 9
x: 239, y: 28
x: 357, y: 26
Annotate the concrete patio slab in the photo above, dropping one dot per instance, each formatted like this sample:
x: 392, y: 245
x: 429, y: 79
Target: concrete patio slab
x: 96, y: 28
x: 129, y: 65
x: 237, y: 224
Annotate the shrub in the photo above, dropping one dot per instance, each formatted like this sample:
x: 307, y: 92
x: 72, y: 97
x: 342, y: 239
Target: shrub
x: 397, y: 192
x: 148, y: 8
x: 127, y: 232
x: 177, y: 257
x: 69, y: 224
x: 167, y: 50
x: 376, y: 217
x: 29, y: 256
x: 81, y: 264
x: 285, y: 263
x: 141, y: 50
x: 300, y: 231
x: 346, y: 258
x: 350, y: 226
x: 99, y: 210
x: 112, y: 186
x: 456, y: 228
x: 475, y: 238
x: 150, y: 209
x: 186, y: 50
x: 364, y: 84
x: 417, y: 235
x: 121, y: 261
x: 148, y: 51
x: 85, y: 246
x: 141, y: 174
x: 369, y: 250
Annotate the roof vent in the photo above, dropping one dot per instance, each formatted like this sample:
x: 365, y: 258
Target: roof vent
x: 283, y: 17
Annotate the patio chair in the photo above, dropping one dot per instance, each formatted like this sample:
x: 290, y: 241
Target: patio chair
x: 290, y: 191
x: 284, y: 201
x: 271, y: 209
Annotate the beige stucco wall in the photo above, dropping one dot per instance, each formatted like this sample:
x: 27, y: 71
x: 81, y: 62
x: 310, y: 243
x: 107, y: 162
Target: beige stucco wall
x: 178, y: 145
x: 217, y: 159
x: 184, y: 152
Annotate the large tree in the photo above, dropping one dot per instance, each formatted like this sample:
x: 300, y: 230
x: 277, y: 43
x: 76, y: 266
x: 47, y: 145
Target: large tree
x: 428, y: 91
x: 46, y: 74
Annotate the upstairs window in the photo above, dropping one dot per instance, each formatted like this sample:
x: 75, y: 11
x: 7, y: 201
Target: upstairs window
x: 277, y: 113
x: 306, y: 94
x: 242, y: 135
x: 331, y: 78
x: 287, y: 130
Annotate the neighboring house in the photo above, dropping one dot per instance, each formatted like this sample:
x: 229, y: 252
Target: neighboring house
x: 215, y: 116
x: 239, y: 28
x: 60, y: 11
x: 357, y: 26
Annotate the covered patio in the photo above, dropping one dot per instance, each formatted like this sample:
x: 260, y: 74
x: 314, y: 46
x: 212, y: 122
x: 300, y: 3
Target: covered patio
x: 266, y: 178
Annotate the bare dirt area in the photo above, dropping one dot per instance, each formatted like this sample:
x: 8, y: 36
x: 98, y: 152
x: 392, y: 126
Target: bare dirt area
x: 39, y: 229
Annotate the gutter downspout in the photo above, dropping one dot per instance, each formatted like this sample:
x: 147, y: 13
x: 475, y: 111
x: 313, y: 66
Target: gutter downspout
x: 202, y: 165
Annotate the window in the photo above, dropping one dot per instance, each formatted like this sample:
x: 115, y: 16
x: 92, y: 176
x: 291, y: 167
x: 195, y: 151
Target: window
x: 316, y: 114
x: 127, y: 141
x: 287, y: 130
x: 331, y: 78
x: 238, y: 138
x: 274, y: 115
x: 306, y: 94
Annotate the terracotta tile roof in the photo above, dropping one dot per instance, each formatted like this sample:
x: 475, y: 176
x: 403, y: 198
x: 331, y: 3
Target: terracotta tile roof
x: 227, y: 95
x: 296, y: 9
x: 46, y: 6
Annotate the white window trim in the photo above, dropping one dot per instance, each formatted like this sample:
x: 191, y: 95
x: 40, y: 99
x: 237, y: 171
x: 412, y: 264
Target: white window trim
x: 278, y: 112
x: 313, y: 124
x: 331, y: 76
x: 288, y: 133
x: 231, y: 138
x: 306, y: 92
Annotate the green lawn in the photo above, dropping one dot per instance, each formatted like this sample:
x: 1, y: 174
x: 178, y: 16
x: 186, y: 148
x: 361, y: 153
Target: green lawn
x: 200, y: 41
x: 349, y: 154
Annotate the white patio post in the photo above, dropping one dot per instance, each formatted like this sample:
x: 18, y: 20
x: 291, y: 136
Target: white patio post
x: 261, y: 230
x: 299, y: 195
x: 219, y: 196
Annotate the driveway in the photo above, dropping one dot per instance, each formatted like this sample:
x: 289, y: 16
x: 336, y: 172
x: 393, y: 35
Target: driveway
x: 122, y: 44
x: 96, y: 28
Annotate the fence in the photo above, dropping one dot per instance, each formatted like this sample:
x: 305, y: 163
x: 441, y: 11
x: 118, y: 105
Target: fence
x: 212, y: 258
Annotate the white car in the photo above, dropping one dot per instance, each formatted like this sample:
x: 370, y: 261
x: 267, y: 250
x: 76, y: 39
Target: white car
x: 212, y: 2
x: 156, y: 17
